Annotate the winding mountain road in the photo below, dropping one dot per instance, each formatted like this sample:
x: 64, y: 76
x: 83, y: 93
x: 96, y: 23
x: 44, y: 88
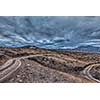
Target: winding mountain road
x: 88, y: 74
x: 8, y: 68
x: 11, y: 66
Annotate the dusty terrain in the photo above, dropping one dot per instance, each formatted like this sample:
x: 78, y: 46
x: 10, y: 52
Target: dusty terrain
x: 35, y: 65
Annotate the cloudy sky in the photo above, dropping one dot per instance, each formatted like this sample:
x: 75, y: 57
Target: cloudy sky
x: 50, y: 32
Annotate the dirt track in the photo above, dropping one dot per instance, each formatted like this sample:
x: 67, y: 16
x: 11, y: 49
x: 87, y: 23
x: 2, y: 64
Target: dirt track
x: 8, y: 68
x: 41, y: 65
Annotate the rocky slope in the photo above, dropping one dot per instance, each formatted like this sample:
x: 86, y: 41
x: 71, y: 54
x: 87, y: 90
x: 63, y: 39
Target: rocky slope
x: 43, y: 65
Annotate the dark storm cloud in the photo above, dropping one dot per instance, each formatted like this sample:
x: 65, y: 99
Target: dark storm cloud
x: 49, y: 32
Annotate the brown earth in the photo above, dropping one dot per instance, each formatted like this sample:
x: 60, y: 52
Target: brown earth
x: 50, y: 66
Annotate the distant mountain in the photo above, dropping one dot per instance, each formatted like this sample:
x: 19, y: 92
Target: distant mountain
x: 88, y: 48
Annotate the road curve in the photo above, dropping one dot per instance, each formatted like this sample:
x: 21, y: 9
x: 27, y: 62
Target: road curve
x: 5, y: 73
x: 7, y: 64
x: 88, y: 74
x: 13, y: 64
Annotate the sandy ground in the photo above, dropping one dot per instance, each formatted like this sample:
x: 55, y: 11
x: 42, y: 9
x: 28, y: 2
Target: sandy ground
x: 49, y: 66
